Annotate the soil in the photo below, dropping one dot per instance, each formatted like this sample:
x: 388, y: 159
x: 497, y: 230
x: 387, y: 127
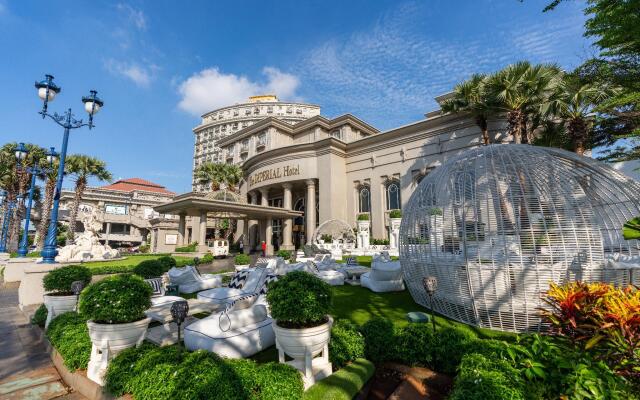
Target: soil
x: 393, y: 381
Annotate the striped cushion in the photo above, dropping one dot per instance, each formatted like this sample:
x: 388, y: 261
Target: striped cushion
x: 351, y: 261
x: 242, y: 302
x: 156, y: 286
x: 265, y: 286
x: 239, y: 279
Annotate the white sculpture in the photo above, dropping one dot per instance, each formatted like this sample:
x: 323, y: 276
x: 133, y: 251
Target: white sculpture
x: 394, y: 232
x: 86, y: 246
x: 363, y: 234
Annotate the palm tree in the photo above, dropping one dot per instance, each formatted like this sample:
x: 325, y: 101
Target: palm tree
x: 574, y: 104
x: 83, y: 167
x: 522, y: 90
x: 214, y: 174
x: 49, y: 188
x: 471, y: 96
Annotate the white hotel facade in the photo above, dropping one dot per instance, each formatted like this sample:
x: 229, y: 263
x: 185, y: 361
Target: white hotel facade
x: 295, y: 160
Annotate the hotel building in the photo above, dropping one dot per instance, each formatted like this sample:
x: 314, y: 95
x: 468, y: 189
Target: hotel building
x: 295, y: 160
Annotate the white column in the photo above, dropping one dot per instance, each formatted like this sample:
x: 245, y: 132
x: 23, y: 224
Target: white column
x: 253, y: 224
x: 310, y: 209
x: 287, y: 229
x: 202, y: 240
x: 264, y: 237
x: 181, y: 228
x: 246, y: 242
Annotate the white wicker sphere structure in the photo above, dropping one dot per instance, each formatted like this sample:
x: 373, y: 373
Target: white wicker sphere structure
x: 496, y: 224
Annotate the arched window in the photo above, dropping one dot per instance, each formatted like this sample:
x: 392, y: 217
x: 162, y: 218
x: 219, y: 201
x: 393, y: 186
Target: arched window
x: 393, y: 195
x: 364, y: 199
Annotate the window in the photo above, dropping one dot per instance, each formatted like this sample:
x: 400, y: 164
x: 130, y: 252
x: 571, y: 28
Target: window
x: 336, y: 134
x: 364, y: 199
x: 247, y: 111
x: 120, y: 229
x: 393, y: 195
x: 236, y: 112
x: 270, y: 110
x: 262, y: 140
x: 275, y: 202
x: 117, y: 209
x: 256, y: 110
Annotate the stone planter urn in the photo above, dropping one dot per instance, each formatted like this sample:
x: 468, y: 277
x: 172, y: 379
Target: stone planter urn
x: 57, y: 305
x: 110, y: 339
x: 363, y: 234
x: 303, y: 345
x: 394, y: 234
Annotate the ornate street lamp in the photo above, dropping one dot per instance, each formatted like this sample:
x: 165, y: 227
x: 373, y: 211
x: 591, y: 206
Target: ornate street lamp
x: 21, y: 154
x: 430, y: 284
x: 6, y: 221
x: 4, y: 202
x: 179, y: 312
x: 47, y: 91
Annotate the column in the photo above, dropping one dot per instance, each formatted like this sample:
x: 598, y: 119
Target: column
x: 202, y: 239
x: 181, y: 228
x: 287, y: 228
x: 264, y: 235
x: 268, y: 234
x: 310, y: 209
x: 246, y: 242
x: 106, y: 241
x: 253, y: 225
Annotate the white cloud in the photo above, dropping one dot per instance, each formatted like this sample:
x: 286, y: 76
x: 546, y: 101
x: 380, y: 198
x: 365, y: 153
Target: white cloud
x: 139, y: 74
x: 136, y: 17
x: 210, y: 89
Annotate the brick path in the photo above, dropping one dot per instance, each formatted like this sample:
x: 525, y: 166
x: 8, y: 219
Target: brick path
x: 26, y: 371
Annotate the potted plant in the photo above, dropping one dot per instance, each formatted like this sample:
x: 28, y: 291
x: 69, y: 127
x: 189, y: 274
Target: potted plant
x: 115, y: 309
x: 300, y: 304
x: 242, y: 261
x: 59, y: 297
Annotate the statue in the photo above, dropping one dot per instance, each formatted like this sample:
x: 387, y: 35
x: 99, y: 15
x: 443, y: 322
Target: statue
x: 86, y: 246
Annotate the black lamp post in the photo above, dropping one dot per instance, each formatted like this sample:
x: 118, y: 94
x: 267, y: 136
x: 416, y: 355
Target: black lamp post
x: 179, y: 311
x: 430, y: 284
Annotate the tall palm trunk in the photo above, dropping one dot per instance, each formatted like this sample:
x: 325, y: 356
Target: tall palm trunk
x: 578, y: 133
x: 46, y: 212
x: 81, y: 185
x: 481, y: 121
x: 18, y: 212
x: 513, y: 125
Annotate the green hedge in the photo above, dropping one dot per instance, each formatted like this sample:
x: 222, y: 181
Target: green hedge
x: 69, y: 335
x: 148, y: 269
x: 151, y: 372
x: 346, y: 345
x: 40, y: 316
x: 343, y: 384
x: 188, y: 248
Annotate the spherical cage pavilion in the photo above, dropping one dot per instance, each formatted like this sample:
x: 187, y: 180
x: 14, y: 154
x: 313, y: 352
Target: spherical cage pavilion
x: 496, y: 224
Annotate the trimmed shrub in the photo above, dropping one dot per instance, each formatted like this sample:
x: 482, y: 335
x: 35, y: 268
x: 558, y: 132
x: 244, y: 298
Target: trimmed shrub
x: 379, y: 339
x: 363, y: 217
x: 144, y: 248
x: 112, y: 269
x: 344, y: 384
x: 198, y: 375
x: 449, y: 346
x: 207, y: 258
x: 40, y: 316
x: 69, y: 335
x: 116, y: 299
x: 183, y: 262
x: 188, y: 248
x: 167, y: 262
x: 149, y: 269
x: 286, y: 254
x: 242, y: 259
x: 299, y: 300
x: 415, y: 345
x: 482, y: 378
x: 59, y: 280
x: 395, y: 214
x: 346, y: 345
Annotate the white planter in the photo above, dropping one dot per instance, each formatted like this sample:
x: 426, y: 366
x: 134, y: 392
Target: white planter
x: 110, y: 339
x: 303, y: 345
x: 57, y: 305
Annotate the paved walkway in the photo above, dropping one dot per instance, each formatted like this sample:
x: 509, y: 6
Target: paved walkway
x: 26, y: 371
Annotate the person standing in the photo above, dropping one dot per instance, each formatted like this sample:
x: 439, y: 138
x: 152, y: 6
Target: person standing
x: 263, y: 246
x: 241, y: 245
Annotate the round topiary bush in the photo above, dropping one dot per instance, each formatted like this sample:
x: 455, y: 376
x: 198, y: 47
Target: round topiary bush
x: 299, y: 300
x: 116, y: 300
x: 347, y: 343
x: 149, y: 269
x: 242, y: 259
x: 379, y: 339
x: 58, y: 282
x: 167, y: 262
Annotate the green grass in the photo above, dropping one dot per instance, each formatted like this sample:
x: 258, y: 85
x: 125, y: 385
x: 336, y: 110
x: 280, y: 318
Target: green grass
x: 125, y: 265
x: 33, y: 254
x: 365, y: 261
x: 343, y: 384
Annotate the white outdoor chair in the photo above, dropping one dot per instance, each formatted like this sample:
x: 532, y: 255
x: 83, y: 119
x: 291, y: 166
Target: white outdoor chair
x: 330, y: 276
x: 242, y: 284
x: 385, y: 276
x: 189, y: 280
x: 158, y: 297
x: 243, y: 329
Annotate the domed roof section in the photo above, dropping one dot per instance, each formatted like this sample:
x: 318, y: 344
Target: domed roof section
x: 496, y: 224
x: 337, y: 229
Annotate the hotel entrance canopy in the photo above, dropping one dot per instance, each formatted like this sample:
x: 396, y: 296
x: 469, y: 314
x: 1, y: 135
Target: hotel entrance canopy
x: 194, y: 204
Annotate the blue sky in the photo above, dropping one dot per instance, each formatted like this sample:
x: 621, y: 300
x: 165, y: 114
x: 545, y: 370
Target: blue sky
x: 159, y: 64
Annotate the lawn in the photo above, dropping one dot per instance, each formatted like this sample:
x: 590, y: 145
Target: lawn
x: 125, y: 265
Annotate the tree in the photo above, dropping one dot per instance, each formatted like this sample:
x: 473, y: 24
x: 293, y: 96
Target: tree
x: 83, y: 167
x: 522, y: 90
x: 49, y: 189
x: 574, y: 104
x: 214, y: 174
x: 471, y: 96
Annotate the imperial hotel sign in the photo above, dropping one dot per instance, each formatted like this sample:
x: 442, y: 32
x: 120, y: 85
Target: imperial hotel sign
x: 329, y: 168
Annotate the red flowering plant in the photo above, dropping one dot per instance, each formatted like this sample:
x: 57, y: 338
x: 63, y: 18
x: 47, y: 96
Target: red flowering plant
x: 601, y: 319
